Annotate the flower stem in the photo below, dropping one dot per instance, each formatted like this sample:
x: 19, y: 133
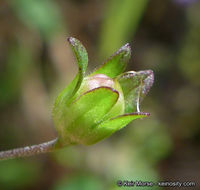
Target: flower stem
x: 29, y: 150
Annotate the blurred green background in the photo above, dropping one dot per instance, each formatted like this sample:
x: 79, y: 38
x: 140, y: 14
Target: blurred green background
x: 36, y: 63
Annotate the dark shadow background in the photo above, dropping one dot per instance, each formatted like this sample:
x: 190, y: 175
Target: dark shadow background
x: 36, y: 63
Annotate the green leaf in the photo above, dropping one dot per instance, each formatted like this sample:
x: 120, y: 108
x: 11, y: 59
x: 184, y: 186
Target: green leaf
x: 135, y: 86
x: 116, y: 64
x: 110, y: 126
x: 85, y: 113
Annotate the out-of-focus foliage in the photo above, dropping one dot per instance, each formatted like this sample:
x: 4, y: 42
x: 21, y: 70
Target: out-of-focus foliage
x: 36, y: 62
x: 120, y: 23
x: 189, y: 57
x: 42, y: 16
x: 152, y: 143
x: 17, y: 174
x: 17, y: 65
x: 84, y: 182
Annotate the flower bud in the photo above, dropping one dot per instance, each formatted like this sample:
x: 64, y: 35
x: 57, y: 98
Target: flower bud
x: 93, y: 107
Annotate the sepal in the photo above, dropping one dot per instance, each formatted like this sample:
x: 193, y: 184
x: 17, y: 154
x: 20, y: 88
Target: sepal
x: 135, y: 85
x: 116, y: 64
x: 110, y: 126
x: 84, y: 114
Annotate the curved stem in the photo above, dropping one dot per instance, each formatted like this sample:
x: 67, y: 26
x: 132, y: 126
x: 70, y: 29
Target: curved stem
x: 29, y: 150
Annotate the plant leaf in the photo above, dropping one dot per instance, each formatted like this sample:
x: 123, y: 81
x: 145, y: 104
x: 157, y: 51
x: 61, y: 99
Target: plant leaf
x: 86, y: 112
x: 110, y: 126
x: 135, y: 86
x: 116, y: 64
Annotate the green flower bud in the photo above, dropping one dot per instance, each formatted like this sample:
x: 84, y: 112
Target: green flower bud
x: 93, y: 107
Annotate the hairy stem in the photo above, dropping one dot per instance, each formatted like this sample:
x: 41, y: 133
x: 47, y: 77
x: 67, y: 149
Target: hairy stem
x: 29, y: 150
